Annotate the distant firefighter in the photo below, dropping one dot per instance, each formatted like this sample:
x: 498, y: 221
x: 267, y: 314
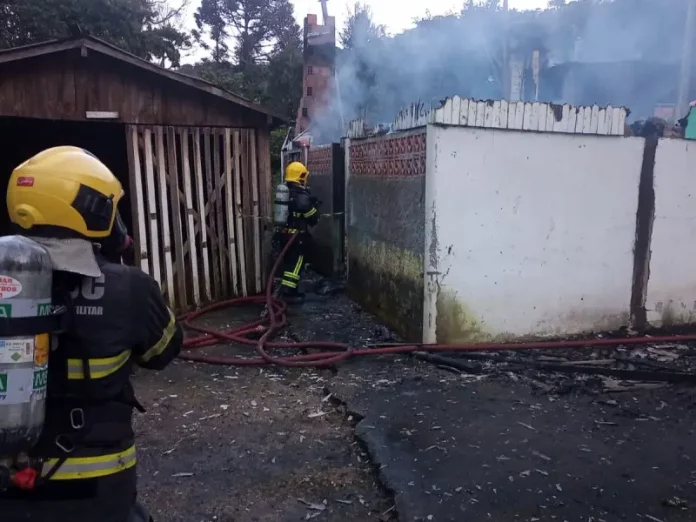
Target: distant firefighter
x: 296, y: 211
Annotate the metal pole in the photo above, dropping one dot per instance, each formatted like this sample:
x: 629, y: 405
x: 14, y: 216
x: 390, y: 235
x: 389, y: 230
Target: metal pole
x: 685, y: 69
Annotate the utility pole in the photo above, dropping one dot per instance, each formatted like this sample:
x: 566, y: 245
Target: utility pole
x: 505, y: 73
x: 687, y: 56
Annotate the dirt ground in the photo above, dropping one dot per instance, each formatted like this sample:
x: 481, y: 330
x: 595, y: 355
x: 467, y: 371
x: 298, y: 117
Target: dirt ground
x: 254, y: 444
x: 407, y: 440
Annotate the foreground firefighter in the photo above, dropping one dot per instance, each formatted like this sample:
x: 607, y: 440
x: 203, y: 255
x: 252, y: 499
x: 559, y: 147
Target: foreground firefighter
x: 296, y: 210
x: 76, y: 461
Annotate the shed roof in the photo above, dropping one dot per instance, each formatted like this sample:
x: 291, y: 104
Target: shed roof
x: 101, y: 47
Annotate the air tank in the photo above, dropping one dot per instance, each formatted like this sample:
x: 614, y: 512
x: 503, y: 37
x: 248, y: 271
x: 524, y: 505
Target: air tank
x: 26, y: 277
x: 281, y: 207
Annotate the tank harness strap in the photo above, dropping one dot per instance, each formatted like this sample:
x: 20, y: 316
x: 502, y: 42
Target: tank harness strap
x: 26, y: 326
x: 84, y: 369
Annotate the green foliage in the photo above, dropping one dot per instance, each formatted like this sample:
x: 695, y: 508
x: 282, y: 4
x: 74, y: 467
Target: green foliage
x: 361, y: 31
x: 258, y: 28
x: 255, y: 51
x: 145, y: 28
x: 277, y: 140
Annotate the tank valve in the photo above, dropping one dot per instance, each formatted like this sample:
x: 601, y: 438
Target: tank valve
x: 25, y: 479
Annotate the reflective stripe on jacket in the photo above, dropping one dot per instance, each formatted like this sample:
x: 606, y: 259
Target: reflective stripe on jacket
x: 115, y: 321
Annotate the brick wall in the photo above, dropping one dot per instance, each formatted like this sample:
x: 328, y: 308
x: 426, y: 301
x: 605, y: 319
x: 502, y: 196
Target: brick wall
x: 386, y: 223
x: 318, y: 70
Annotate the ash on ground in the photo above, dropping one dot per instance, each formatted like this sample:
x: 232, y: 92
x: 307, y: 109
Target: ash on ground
x: 495, y: 437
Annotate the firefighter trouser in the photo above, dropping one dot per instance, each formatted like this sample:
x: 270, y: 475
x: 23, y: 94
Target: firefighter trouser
x: 293, y: 264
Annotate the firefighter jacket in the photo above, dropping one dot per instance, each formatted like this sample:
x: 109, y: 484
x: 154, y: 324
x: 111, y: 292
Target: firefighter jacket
x: 113, y: 322
x: 303, y: 209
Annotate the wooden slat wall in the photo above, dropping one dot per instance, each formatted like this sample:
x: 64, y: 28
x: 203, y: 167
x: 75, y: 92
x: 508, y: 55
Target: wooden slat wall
x: 201, y: 197
x: 66, y: 86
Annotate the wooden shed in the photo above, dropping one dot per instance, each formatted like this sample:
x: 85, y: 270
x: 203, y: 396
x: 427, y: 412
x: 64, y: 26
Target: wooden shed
x: 193, y: 159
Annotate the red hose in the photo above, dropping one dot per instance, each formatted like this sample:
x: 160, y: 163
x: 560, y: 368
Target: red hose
x: 332, y: 352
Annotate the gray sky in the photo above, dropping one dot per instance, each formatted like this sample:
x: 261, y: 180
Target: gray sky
x: 397, y: 15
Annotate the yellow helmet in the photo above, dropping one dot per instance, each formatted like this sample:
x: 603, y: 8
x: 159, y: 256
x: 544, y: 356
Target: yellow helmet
x: 296, y: 172
x: 64, y: 188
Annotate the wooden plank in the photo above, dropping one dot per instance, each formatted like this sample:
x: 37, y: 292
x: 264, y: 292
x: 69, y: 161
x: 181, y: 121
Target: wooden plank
x: 480, y: 113
x: 247, y: 207
x: 464, y: 112
x: 254, y: 173
x: 456, y: 111
x: 562, y: 124
x: 622, y: 122
x: 534, y: 122
x: 594, y: 122
x: 519, y: 115
x: 190, y: 225
x: 602, y: 122
x: 527, y: 120
x: 489, y: 115
x: 138, y: 216
x: 550, y: 117
x: 164, y: 214
x: 587, y: 121
x: 238, y: 209
x: 266, y: 190
x: 579, y: 119
x: 156, y: 271
x: 219, y: 210
x: 543, y: 117
x: 471, y: 119
x: 443, y: 113
x: 209, y: 175
x: 179, y: 258
x: 571, y: 118
x: 615, y: 123
x: 198, y: 173
x: 503, y: 119
x: 229, y: 212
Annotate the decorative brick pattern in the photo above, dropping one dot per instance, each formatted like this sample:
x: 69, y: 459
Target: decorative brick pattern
x: 389, y: 156
x: 320, y: 160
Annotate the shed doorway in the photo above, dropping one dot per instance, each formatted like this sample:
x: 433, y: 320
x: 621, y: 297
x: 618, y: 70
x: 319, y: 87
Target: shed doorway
x: 24, y: 137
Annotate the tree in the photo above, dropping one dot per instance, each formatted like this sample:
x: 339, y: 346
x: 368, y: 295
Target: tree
x: 266, y: 63
x: 146, y: 28
x: 360, y: 30
x: 259, y: 29
x: 209, y: 21
x: 284, y: 85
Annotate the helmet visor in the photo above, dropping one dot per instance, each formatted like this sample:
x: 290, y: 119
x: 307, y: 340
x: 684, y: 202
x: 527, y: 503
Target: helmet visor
x: 95, y: 208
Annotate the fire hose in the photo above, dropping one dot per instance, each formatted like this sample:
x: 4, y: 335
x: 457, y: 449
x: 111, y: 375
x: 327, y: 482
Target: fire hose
x: 327, y: 353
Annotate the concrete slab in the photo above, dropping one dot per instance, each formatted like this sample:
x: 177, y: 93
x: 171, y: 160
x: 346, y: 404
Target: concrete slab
x: 456, y: 448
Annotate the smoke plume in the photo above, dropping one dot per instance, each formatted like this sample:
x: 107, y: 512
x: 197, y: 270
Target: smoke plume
x: 606, y: 52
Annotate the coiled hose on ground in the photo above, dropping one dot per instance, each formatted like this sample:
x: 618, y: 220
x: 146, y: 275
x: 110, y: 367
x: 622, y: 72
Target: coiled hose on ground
x: 331, y: 353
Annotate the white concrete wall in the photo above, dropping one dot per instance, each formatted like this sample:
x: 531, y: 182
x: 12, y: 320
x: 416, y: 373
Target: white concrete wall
x: 528, y: 234
x: 671, y: 291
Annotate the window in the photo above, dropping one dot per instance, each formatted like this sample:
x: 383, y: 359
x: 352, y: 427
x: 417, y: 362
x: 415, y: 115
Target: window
x: 305, y: 113
x: 310, y: 69
x: 309, y: 91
